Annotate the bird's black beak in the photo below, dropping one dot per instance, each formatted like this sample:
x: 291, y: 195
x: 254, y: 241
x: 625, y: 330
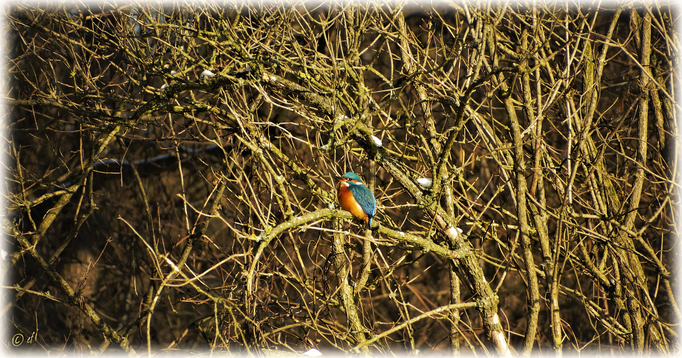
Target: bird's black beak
x: 339, y: 178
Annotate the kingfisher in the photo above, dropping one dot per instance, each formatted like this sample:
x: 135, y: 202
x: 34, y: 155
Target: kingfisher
x: 354, y: 196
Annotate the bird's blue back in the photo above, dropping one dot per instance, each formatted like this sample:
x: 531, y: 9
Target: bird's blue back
x: 365, y: 198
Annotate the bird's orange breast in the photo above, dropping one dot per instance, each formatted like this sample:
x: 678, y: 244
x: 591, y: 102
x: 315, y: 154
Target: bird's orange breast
x: 349, y: 203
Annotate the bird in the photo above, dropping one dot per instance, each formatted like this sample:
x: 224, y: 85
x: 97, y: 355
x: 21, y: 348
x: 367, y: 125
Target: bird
x: 354, y: 196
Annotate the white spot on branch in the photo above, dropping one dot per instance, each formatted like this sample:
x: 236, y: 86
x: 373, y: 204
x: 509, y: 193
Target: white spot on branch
x: 425, y: 182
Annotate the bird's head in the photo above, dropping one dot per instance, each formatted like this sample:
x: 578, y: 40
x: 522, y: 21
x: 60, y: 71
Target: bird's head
x: 349, y: 179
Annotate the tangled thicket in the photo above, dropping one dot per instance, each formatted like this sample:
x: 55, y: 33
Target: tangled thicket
x: 171, y: 177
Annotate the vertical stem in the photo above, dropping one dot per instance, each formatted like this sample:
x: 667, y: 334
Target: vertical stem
x: 341, y: 264
x: 370, y: 178
x: 643, y: 121
x: 522, y: 190
x: 569, y: 116
x: 522, y: 214
x: 455, y: 292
